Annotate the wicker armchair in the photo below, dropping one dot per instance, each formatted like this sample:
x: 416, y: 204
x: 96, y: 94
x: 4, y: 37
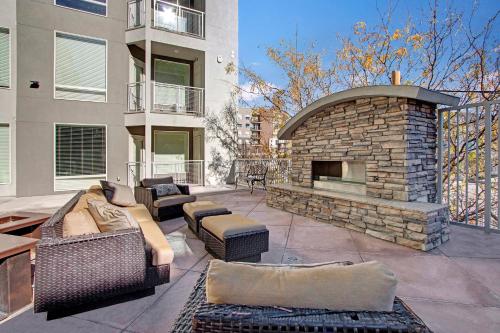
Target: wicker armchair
x: 86, y: 269
x: 163, y: 208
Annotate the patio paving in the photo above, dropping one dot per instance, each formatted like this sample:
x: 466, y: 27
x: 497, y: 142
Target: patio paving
x: 453, y: 289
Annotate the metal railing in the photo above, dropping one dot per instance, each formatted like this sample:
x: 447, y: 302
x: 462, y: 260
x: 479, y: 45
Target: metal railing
x: 136, y: 93
x: 136, y: 14
x: 469, y: 165
x: 278, y: 170
x: 179, y: 19
x: 184, y: 172
x: 135, y: 173
x: 181, y: 99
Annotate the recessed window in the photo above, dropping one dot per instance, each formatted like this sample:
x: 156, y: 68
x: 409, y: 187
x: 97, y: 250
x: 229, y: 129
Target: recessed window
x: 80, y: 156
x: 4, y: 154
x: 98, y: 7
x: 80, y: 68
x: 4, y: 58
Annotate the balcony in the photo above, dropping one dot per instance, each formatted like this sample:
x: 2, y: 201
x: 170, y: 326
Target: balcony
x: 136, y: 14
x: 178, y: 19
x: 167, y: 98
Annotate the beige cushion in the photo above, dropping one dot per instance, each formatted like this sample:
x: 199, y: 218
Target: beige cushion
x: 163, y: 253
x: 120, y: 195
x: 228, y: 225
x: 199, y: 206
x: 92, y: 194
x: 140, y: 213
x: 109, y: 217
x: 172, y: 200
x: 362, y: 287
x: 79, y: 223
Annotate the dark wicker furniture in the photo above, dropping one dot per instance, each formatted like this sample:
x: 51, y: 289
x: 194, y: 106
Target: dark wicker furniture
x: 75, y: 271
x: 195, y: 224
x: 199, y: 316
x: 247, y: 246
x: 163, y: 208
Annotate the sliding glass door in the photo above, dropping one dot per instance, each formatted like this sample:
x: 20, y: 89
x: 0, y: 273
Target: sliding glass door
x: 171, y: 150
x: 171, y: 78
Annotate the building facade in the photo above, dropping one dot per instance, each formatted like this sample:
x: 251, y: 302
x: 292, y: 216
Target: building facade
x: 110, y: 89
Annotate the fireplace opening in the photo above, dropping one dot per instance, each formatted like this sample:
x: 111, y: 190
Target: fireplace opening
x: 344, y: 176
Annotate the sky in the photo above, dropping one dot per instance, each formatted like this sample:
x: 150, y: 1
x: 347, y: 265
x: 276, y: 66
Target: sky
x: 264, y: 23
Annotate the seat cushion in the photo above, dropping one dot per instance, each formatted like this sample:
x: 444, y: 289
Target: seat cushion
x: 163, y: 254
x: 222, y: 226
x: 79, y: 223
x: 173, y: 200
x: 109, y: 217
x: 120, y: 195
x: 140, y: 213
x: 201, y: 206
x: 147, y: 182
x: 362, y: 287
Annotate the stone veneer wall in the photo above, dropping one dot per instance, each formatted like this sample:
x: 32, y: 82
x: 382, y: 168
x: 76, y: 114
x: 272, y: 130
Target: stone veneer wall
x: 395, y: 136
x: 422, y: 226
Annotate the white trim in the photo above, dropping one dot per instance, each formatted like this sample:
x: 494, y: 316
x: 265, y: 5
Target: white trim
x: 10, y: 58
x: 10, y: 154
x: 84, y: 11
x: 105, y: 176
x: 84, y: 88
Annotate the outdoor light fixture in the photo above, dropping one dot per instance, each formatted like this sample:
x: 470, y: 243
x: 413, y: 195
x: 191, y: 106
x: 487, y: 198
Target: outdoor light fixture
x: 34, y: 84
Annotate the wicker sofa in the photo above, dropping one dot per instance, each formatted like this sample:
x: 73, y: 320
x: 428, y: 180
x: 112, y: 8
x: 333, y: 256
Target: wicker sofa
x: 166, y: 207
x: 78, y: 270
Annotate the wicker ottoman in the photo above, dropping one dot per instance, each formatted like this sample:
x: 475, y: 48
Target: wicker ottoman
x: 234, y: 237
x: 195, y: 211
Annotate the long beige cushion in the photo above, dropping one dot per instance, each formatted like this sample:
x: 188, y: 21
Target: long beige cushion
x: 163, y: 253
x: 79, y: 223
x: 172, y: 200
x: 362, y: 287
x: 223, y: 226
x: 109, y: 217
x: 199, y: 206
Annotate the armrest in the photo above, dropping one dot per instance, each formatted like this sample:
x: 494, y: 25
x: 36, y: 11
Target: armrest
x: 146, y: 196
x: 183, y: 188
x: 70, y: 270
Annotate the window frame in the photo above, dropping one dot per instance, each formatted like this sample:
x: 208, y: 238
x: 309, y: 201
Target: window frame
x: 54, y: 156
x: 55, y: 66
x: 10, y: 58
x: 84, y: 11
x: 10, y: 154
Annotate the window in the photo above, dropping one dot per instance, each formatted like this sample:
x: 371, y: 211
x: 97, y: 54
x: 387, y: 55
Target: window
x: 4, y: 58
x: 98, y: 7
x: 80, y: 156
x: 4, y: 154
x: 80, y: 68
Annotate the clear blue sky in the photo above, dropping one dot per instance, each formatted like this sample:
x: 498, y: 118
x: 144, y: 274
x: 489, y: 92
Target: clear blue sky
x: 264, y: 23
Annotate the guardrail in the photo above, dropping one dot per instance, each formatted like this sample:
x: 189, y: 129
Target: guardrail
x: 136, y: 14
x: 136, y: 93
x: 184, y: 172
x: 179, y: 99
x: 278, y: 170
x: 179, y: 19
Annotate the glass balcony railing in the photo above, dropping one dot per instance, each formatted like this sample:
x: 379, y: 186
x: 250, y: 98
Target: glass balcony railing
x: 178, y: 99
x: 178, y: 19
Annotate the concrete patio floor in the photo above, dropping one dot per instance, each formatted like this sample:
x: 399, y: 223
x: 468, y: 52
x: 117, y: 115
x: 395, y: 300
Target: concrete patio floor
x: 453, y: 289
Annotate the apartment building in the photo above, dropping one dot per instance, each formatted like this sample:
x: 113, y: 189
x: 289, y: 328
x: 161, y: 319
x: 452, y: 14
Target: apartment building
x: 110, y: 89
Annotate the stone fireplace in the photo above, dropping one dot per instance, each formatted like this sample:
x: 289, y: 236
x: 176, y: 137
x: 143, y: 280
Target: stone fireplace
x: 365, y: 159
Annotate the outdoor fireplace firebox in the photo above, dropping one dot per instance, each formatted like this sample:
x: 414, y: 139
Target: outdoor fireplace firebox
x: 342, y: 176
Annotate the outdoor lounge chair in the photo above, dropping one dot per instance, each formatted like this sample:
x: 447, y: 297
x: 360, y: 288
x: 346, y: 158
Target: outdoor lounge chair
x: 200, y: 316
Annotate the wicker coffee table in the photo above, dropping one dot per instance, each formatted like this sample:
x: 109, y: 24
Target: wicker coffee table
x: 199, y: 316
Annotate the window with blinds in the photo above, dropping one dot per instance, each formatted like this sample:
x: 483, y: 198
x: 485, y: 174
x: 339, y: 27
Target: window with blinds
x: 4, y: 154
x: 4, y: 58
x: 80, y: 68
x: 98, y: 7
x: 80, y: 156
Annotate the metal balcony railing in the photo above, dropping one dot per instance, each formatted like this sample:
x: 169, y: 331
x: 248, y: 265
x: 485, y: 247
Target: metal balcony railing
x: 136, y: 14
x: 178, y: 19
x: 183, y: 172
x: 136, y: 97
x: 178, y: 99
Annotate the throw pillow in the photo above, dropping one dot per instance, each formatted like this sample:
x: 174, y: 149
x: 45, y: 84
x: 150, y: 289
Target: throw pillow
x: 163, y: 190
x: 109, y: 217
x: 120, y: 195
x: 79, y: 223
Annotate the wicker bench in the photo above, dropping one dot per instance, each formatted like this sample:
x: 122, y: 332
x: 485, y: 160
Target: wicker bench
x: 195, y: 211
x: 199, y: 316
x: 234, y: 238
